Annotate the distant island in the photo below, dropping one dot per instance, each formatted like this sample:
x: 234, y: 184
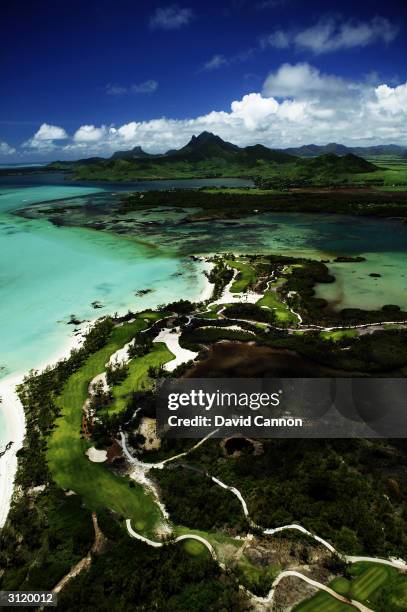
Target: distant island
x: 208, y: 156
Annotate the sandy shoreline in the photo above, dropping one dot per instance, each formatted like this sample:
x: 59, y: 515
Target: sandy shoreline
x: 207, y: 291
x: 15, y: 422
x: 14, y: 414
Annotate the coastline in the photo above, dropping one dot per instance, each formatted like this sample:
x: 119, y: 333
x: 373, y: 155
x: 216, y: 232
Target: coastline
x: 207, y: 290
x: 14, y: 413
x: 15, y: 421
x: 15, y: 424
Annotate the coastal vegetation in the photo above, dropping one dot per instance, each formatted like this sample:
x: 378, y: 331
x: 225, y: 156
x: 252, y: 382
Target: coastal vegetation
x: 219, y: 204
x: 29, y: 564
x: 219, y: 276
x: 329, y: 487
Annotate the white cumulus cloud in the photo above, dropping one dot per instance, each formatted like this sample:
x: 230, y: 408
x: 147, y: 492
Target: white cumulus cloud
x: 254, y: 110
x: 50, y: 132
x: 44, y: 137
x: 391, y: 100
x: 5, y: 148
x: 303, y: 81
x: 89, y: 133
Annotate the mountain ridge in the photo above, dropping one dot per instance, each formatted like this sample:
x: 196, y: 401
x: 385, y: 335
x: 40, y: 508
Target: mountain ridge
x: 313, y: 150
x: 207, y: 155
x: 135, y: 153
x: 208, y: 145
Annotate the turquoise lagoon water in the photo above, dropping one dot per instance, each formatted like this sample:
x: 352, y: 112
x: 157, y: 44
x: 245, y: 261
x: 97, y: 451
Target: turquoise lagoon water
x: 383, y: 242
x: 48, y: 273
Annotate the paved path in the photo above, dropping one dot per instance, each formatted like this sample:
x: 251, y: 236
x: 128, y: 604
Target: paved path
x: 314, y: 583
x: 186, y: 536
x: 397, y: 563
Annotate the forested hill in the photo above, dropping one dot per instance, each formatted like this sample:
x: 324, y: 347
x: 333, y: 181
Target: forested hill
x: 208, y: 156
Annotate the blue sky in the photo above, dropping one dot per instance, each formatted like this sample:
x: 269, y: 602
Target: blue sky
x: 81, y: 78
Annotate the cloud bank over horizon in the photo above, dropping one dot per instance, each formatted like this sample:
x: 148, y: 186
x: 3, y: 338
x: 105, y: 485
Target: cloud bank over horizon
x: 298, y: 104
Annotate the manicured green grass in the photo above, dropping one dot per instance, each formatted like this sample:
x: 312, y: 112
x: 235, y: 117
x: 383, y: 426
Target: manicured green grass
x: 212, y: 313
x: 372, y: 579
x: 152, y: 315
x: 357, y: 569
x: 283, y: 313
x: 225, y: 546
x: 379, y: 584
x: 260, y: 325
x: 226, y: 549
x: 137, y: 376
x: 246, y: 275
x: 70, y: 467
x: 323, y: 602
x: 271, y: 298
x: 279, y: 282
x: 340, y: 585
x: 371, y: 582
x: 195, y: 548
x: 254, y: 577
x: 339, y: 334
x: 289, y: 270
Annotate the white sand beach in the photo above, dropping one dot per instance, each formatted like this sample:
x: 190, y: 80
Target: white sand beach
x: 15, y: 423
x: 207, y: 291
